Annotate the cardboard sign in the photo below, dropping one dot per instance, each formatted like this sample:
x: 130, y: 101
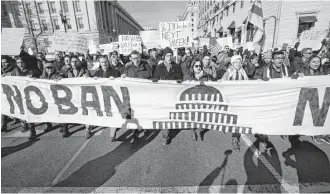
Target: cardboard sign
x: 175, y: 34
x: 11, y: 41
x: 311, y: 39
x: 129, y: 43
x: 71, y: 42
x: 150, y: 39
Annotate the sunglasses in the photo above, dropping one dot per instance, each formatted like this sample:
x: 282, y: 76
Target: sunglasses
x: 196, y: 66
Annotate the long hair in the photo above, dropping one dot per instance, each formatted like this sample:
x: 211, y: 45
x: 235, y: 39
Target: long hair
x: 320, y: 69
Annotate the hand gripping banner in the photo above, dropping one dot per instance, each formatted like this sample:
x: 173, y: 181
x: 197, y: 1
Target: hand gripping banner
x: 276, y: 107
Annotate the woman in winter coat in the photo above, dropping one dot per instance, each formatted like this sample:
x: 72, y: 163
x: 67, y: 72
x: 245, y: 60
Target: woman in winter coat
x: 314, y: 68
x: 235, y: 72
x: 198, y: 74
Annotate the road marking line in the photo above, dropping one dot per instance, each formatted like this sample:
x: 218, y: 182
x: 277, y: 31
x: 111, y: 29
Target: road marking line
x: 57, y: 178
x: 285, y: 185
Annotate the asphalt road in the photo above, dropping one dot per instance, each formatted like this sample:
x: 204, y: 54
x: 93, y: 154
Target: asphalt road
x: 74, y: 164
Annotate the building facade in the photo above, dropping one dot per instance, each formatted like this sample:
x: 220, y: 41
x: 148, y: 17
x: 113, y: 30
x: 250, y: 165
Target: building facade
x: 191, y: 14
x: 101, y: 21
x: 283, y: 20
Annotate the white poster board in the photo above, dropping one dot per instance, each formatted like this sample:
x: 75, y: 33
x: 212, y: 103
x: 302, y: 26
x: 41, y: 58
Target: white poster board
x: 311, y: 39
x: 12, y: 40
x: 226, y: 41
x: 129, y: 43
x: 71, y: 42
x: 175, y: 34
x: 150, y: 39
x: 204, y: 41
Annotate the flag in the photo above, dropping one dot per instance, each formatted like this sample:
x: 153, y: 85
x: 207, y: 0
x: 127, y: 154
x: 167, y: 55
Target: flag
x: 256, y: 18
x: 215, y: 47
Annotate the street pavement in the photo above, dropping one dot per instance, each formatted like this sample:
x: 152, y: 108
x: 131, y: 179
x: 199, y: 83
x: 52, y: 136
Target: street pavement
x: 97, y: 165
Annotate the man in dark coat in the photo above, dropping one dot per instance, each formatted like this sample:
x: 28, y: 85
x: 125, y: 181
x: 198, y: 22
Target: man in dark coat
x: 59, y: 63
x: 168, y: 70
x: 137, y: 68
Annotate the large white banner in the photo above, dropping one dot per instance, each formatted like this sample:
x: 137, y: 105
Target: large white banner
x: 175, y: 34
x: 276, y: 107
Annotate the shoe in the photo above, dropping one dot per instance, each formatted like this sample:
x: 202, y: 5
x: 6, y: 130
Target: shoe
x: 49, y: 128
x: 166, y: 142
x: 317, y: 139
x: 4, y: 128
x: 88, y: 134
x: 199, y: 134
x: 236, y: 143
x: 326, y: 139
x: 33, y: 134
x: 25, y: 129
x: 194, y: 136
x: 65, y: 133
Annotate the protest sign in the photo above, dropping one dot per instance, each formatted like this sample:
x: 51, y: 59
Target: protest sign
x: 311, y: 39
x: 226, y: 41
x: 240, y: 106
x: 204, y: 41
x: 92, y: 47
x: 175, y: 34
x: 11, y: 41
x: 71, y: 42
x: 150, y: 39
x: 129, y: 43
x: 108, y: 48
x: 250, y: 46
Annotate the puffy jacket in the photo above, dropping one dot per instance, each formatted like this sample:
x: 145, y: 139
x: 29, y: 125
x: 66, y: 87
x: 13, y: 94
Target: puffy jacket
x: 175, y: 72
x: 143, y: 71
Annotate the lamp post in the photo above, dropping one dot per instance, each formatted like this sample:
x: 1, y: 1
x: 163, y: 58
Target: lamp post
x: 275, y: 19
x: 63, y: 19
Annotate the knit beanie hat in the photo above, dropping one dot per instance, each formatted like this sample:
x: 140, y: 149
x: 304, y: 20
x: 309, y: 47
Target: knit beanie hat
x: 167, y: 50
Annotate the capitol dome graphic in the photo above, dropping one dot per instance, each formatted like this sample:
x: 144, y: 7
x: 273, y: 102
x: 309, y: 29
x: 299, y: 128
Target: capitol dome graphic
x: 202, y: 107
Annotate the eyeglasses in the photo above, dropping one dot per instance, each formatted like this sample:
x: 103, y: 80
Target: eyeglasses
x: 197, y: 66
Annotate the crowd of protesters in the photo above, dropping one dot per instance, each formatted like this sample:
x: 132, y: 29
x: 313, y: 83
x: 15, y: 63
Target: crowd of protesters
x: 181, y: 65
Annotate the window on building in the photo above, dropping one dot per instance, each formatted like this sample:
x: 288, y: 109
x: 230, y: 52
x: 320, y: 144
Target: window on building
x: 68, y: 24
x: 234, y: 6
x: 227, y: 12
x: 57, y: 26
x: 242, y: 3
x: 16, y: 9
x: 65, y: 6
x: 80, y: 23
x: 77, y: 5
x: 192, y: 20
x: 306, y: 22
x: 192, y: 14
x: 52, y: 7
x: 40, y: 8
x: 44, y: 25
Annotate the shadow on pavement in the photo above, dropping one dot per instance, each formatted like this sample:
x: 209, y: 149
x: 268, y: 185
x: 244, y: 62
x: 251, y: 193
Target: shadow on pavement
x: 96, y: 172
x: 259, y: 176
x: 5, y: 151
x: 209, y: 179
x: 311, y: 162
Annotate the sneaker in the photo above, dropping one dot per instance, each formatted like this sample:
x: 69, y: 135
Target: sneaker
x: 49, y: 128
x: 24, y: 129
x: 166, y: 142
x: 4, y: 128
x: 317, y: 139
x: 326, y: 139
x: 88, y: 134
x: 65, y: 133
x: 236, y: 143
x: 33, y: 134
